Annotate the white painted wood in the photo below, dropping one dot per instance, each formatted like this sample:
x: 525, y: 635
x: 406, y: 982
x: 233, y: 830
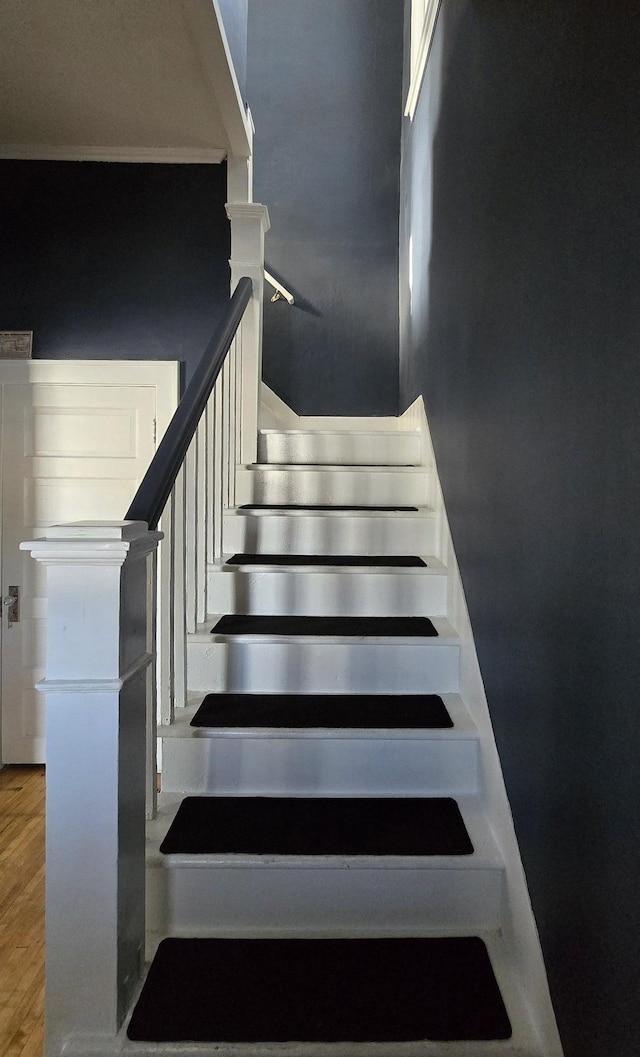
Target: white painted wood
x: 392, y: 666
x: 249, y: 222
x: 190, y: 484
x: 84, y: 152
x: 326, y: 532
x: 322, y: 591
x: 238, y: 391
x: 99, y: 676
x: 273, y: 413
x: 201, y: 484
x: 178, y: 594
x: 423, y: 23
x: 321, y: 762
x: 218, y: 474
x: 77, y: 438
x: 210, y: 413
x: 165, y: 617
x: 90, y: 1046
x: 339, y: 485
x: 316, y: 893
x: 276, y: 414
x: 72, y: 70
x: 338, y: 447
x: 240, y: 895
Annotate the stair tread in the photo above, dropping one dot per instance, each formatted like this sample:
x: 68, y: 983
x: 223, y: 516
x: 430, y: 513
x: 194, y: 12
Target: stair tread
x: 403, y: 561
x: 315, y: 506
x: 337, y: 467
x: 347, y: 711
x: 334, y: 626
x: 394, y: 826
x: 384, y: 433
x: 322, y: 990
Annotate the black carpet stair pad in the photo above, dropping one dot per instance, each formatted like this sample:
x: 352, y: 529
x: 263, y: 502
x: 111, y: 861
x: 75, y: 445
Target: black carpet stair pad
x: 320, y: 990
x: 392, y: 561
x: 309, y: 506
x: 317, y: 826
x: 241, y: 624
x: 359, y: 711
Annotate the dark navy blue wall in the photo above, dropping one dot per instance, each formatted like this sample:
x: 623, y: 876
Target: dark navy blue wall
x: 110, y: 261
x: 524, y: 337
x: 324, y: 86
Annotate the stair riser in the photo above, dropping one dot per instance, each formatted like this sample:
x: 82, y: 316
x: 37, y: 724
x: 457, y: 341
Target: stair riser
x: 335, y: 449
x: 423, y: 667
x: 329, y: 534
x: 201, y: 900
x: 327, y: 593
x: 272, y: 766
x: 334, y: 487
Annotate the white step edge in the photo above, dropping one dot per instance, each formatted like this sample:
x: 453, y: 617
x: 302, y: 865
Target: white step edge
x: 446, y: 636
x: 463, y: 726
x: 339, y: 485
x: 329, y: 531
x: 336, y: 761
x: 523, y: 1043
x: 316, y: 590
x: 186, y: 894
x: 432, y: 567
x: 421, y: 513
x: 428, y: 666
x: 338, y: 447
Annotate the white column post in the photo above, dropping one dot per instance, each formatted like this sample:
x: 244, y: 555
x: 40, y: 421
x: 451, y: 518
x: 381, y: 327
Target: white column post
x: 100, y: 693
x: 249, y: 223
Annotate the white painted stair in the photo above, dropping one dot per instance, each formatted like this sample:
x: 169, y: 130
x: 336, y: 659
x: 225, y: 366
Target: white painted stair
x: 239, y: 892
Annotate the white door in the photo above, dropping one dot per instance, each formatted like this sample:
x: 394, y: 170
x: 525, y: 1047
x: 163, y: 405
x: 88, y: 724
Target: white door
x: 74, y: 447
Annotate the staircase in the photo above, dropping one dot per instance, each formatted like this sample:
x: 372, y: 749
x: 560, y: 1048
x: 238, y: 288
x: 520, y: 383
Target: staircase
x: 324, y: 875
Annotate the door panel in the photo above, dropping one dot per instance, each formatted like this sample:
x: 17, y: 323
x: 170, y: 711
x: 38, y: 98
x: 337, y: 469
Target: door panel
x: 70, y: 452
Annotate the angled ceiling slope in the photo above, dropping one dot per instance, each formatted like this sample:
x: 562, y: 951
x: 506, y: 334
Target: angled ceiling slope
x: 128, y: 80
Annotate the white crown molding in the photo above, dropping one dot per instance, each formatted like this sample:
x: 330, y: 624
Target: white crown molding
x: 93, y: 543
x: 421, y: 54
x: 249, y: 210
x: 158, y: 155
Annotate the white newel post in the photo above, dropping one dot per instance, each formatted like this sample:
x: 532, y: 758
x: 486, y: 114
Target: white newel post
x: 249, y: 223
x: 100, y: 690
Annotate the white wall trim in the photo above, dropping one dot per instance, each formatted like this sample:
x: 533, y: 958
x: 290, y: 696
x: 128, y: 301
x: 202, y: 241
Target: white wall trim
x: 95, y: 686
x: 276, y: 414
x: 273, y: 412
x: 168, y: 155
x: 423, y: 23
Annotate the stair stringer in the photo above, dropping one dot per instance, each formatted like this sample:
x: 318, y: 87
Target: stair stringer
x: 520, y: 932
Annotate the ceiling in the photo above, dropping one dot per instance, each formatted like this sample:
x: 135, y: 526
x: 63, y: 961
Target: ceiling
x: 128, y: 79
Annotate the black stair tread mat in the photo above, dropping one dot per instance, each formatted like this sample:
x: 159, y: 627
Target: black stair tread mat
x: 243, y: 624
x: 396, y: 561
x: 262, y: 825
x: 399, y: 711
x: 320, y: 990
x: 307, y: 506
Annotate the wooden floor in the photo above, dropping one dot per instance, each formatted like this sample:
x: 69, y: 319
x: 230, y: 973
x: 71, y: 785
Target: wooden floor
x: 21, y: 911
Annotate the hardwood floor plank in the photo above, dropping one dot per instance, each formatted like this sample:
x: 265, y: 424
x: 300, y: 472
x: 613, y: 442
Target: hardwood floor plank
x: 22, y: 824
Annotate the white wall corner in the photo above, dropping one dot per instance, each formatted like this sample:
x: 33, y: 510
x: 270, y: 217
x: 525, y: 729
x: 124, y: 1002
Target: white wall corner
x: 274, y: 413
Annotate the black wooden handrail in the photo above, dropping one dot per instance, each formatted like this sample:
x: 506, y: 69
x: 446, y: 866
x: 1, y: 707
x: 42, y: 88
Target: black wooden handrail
x: 155, y: 487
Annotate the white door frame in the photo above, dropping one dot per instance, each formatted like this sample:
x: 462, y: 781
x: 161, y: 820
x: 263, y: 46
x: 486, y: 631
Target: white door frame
x: 161, y: 375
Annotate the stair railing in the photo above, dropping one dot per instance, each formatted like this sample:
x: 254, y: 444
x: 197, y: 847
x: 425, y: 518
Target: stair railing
x: 101, y: 667
x: 189, y: 484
